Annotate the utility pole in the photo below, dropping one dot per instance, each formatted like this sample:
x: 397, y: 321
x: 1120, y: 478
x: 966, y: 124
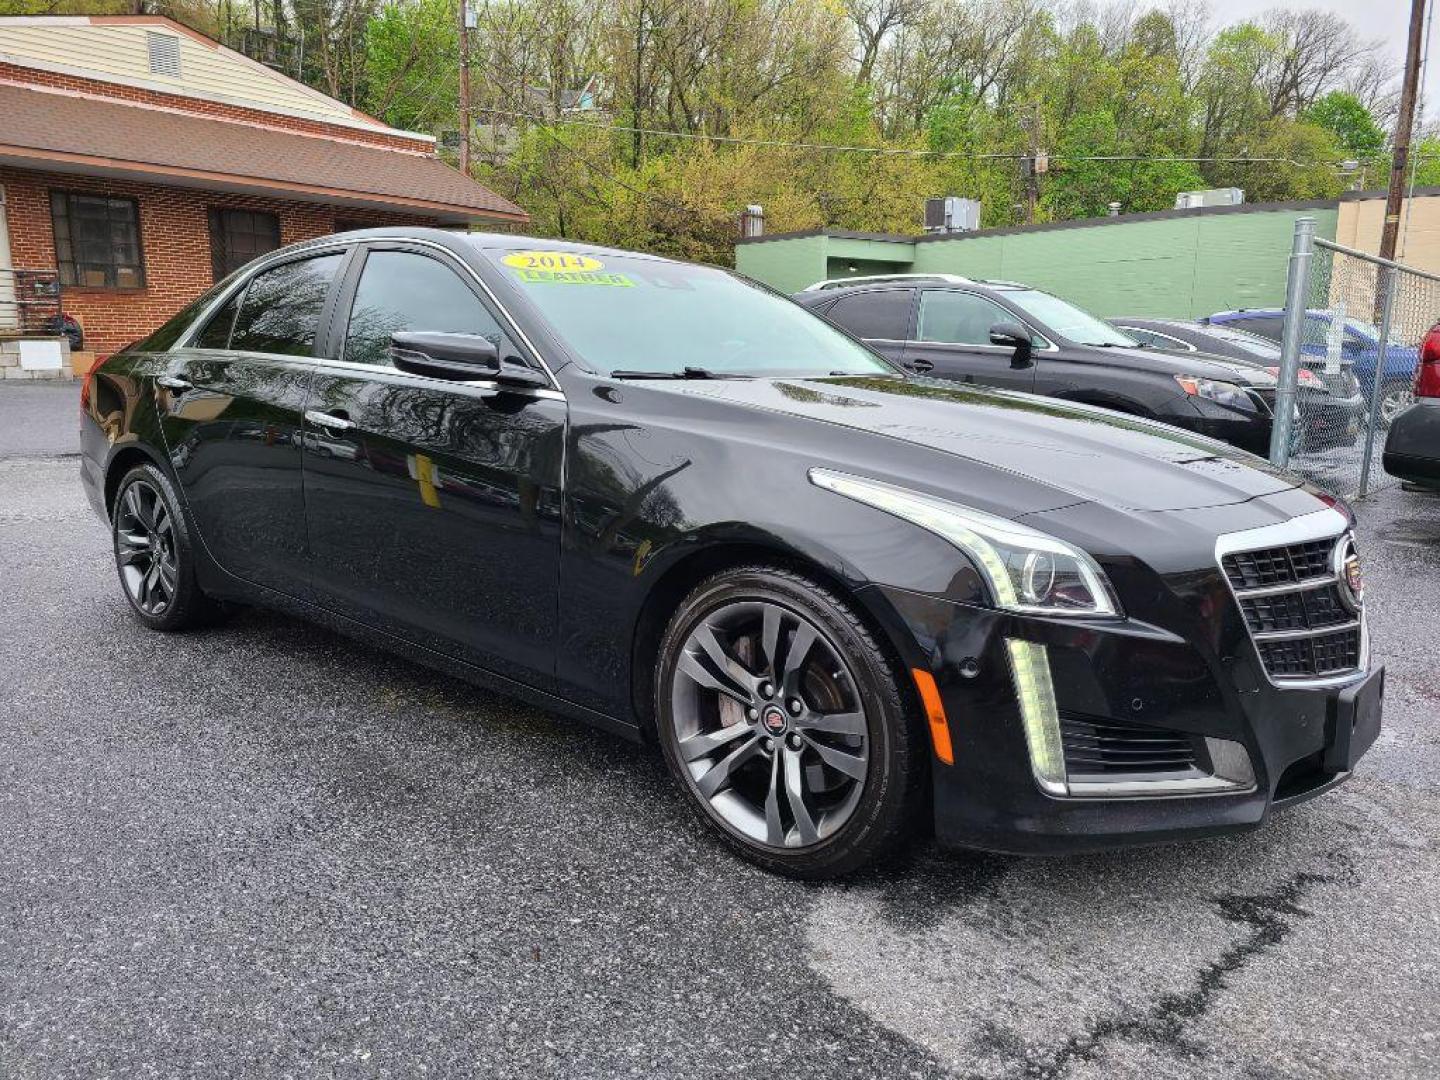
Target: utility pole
x: 1399, y: 163
x: 465, y: 86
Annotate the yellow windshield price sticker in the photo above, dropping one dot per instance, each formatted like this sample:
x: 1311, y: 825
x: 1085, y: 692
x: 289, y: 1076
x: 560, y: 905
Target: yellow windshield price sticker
x: 553, y: 261
x: 562, y: 268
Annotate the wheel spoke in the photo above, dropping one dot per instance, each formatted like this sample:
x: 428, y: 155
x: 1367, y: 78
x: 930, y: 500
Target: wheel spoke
x: 131, y: 505
x: 725, y: 664
x: 162, y: 518
x: 851, y: 764
x: 795, y: 656
x: 128, y: 555
x: 720, y: 772
x: 795, y: 793
x: 146, y: 513
x: 774, y: 829
x: 167, y: 577
x: 691, y: 666
x: 837, y: 723
x: 698, y: 746
x: 770, y: 639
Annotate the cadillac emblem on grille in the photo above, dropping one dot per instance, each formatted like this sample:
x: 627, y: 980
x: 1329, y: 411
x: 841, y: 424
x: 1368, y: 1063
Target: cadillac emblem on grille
x: 1352, y: 577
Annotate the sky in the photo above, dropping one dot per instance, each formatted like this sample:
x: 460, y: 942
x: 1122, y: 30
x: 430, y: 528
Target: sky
x: 1386, y: 20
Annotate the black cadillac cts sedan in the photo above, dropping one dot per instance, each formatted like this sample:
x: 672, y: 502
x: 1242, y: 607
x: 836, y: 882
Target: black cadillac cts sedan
x: 848, y: 603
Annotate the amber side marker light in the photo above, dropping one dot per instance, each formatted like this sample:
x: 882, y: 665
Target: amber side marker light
x: 935, y: 713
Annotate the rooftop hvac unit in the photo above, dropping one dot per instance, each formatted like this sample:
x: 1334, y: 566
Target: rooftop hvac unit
x: 952, y: 214
x: 1223, y: 196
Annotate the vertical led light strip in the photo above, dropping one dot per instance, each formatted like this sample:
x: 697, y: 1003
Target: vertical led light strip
x: 1030, y: 666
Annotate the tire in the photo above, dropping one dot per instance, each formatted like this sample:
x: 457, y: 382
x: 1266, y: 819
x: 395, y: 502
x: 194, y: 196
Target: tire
x: 1395, y: 398
x: 162, y: 591
x: 830, y: 729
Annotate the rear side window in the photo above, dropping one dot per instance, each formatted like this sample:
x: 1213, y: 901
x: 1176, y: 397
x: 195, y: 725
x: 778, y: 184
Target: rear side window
x: 281, y: 309
x: 216, y: 334
x: 882, y: 314
x: 402, y: 292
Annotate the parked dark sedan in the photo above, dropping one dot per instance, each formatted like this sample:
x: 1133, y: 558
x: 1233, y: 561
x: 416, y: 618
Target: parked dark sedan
x: 996, y: 333
x: 1332, y: 407
x: 1412, y: 446
x: 664, y: 500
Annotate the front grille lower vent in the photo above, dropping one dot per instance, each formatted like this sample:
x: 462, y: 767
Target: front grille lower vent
x: 1303, y: 609
x: 1102, y: 747
x: 1293, y: 607
x: 1307, y: 657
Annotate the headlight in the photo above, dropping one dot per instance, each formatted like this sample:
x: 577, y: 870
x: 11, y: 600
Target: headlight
x: 1222, y: 393
x: 1027, y: 570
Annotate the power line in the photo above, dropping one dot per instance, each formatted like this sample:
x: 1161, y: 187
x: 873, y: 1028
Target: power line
x: 894, y: 151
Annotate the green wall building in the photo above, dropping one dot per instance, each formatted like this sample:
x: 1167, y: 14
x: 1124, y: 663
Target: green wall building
x: 1175, y: 263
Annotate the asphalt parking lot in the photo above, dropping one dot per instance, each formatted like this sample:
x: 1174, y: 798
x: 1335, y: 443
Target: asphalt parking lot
x: 263, y: 850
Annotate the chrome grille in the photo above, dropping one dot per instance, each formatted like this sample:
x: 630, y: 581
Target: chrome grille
x: 1292, y: 603
x: 1103, y: 747
x: 1279, y: 565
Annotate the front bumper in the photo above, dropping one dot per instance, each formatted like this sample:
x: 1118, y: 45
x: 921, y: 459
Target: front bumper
x: 1121, y: 671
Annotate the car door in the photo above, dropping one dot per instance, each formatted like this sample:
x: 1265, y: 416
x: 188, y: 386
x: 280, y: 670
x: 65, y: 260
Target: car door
x: 433, y: 505
x: 952, y: 341
x: 231, y: 401
x: 879, y: 317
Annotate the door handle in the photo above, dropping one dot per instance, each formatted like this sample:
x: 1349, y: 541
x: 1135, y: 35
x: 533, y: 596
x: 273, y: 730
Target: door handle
x: 330, y: 420
x: 922, y: 366
x: 173, y: 382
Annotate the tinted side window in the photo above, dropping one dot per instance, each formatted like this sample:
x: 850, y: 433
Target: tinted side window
x: 401, y: 291
x: 883, y: 314
x: 281, y: 309
x: 958, y: 318
x: 175, y: 327
x: 216, y: 334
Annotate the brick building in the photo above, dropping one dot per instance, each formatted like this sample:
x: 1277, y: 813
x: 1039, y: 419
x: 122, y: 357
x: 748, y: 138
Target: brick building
x: 140, y: 162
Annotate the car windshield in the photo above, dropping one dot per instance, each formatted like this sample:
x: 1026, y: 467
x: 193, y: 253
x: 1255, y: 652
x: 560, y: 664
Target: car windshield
x: 1067, y: 320
x: 639, y: 316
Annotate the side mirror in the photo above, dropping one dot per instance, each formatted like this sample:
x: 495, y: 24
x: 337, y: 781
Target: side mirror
x: 459, y: 358
x: 1014, y: 336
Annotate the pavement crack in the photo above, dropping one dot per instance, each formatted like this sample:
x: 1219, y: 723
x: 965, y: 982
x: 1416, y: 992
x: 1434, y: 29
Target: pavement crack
x: 1270, y: 917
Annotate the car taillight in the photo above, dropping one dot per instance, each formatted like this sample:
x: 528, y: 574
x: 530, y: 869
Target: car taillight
x: 1427, y: 375
x: 85, y: 390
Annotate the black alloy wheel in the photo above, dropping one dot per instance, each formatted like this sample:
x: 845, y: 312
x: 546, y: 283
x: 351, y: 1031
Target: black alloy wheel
x: 786, y: 725
x: 153, y: 553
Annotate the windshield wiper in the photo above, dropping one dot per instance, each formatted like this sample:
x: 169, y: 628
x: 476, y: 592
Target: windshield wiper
x: 683, y: 373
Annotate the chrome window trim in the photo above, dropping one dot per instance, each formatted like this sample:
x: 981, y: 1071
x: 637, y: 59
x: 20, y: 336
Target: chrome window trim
x: 1326, y: 524
x: 324, y: 247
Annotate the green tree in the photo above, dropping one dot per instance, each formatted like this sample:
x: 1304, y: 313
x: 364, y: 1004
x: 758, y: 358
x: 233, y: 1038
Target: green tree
x: 1349, y: 121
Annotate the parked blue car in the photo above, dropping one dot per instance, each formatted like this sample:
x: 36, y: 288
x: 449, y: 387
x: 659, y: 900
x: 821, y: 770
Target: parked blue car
x: 1360, y: 345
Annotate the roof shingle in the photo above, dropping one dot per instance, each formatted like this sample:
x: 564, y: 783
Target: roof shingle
x: 52, y: 126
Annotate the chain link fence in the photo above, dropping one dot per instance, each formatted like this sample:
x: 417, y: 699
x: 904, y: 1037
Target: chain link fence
x: 1350, y: 344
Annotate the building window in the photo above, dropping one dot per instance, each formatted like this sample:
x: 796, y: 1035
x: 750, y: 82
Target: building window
x: 97, y: 241
x: 237, y: 236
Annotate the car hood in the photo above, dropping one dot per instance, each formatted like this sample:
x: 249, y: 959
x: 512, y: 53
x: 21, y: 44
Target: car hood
x: 1086, y: 452
x: 1202, y: 364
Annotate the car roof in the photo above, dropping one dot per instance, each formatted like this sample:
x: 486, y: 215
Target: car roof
x: 483, y: 241
x: 815, y: 296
